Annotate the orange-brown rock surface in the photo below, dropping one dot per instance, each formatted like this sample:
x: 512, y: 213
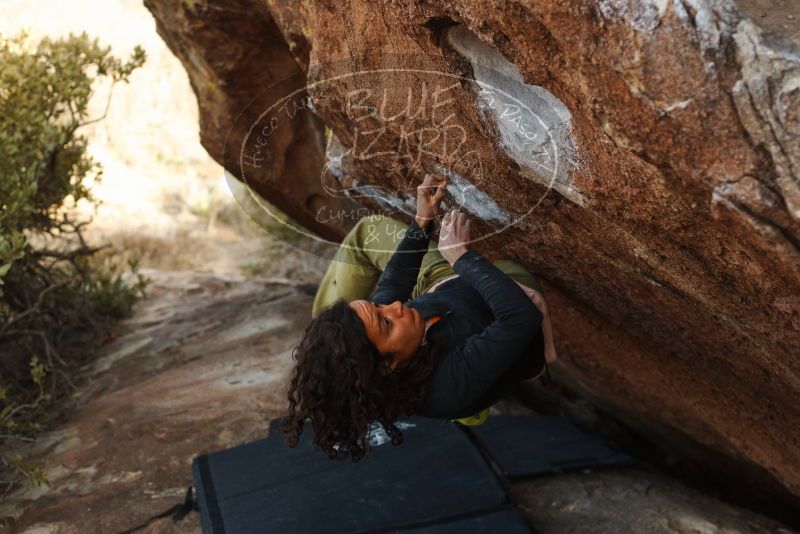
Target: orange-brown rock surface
x: 643, y: 156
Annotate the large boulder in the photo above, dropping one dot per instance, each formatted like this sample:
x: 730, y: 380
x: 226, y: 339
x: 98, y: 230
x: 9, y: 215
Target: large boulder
x: 642, y: 156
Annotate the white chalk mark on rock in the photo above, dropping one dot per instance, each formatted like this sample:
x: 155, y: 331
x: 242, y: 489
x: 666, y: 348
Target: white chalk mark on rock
x: 473, y: 199
x: 535, y: 127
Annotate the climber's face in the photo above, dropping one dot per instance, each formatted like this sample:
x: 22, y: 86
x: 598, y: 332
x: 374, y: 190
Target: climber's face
x: 393, y: 329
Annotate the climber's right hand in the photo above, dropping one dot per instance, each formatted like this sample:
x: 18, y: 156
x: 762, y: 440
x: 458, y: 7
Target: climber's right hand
x: 429, y: 195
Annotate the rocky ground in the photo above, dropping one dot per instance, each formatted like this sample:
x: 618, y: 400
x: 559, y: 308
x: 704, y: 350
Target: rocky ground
x: 202, y: 366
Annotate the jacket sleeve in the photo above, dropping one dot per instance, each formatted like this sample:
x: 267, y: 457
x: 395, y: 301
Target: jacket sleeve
x: 400, y: 276
x: 466, y: 373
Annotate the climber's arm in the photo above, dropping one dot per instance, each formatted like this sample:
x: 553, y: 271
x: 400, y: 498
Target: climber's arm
x: 398, y: 279
x: 465, y: 374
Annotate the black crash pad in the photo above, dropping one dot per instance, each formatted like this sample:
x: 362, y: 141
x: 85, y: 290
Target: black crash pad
x: 524, y: 445
x: 430, y: 483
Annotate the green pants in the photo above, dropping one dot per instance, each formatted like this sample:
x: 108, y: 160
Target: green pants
x: 366, y: 250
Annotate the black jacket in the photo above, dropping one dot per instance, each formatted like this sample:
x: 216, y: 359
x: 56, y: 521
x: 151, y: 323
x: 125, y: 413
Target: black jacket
x: 489, y: 337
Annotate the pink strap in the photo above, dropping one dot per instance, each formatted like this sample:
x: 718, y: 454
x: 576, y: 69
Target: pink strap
x: 547, y: 329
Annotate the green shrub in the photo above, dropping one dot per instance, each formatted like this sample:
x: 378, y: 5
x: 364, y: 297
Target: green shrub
x: 55, y: 301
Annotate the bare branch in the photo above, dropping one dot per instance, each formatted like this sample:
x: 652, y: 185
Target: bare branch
x: 33, y: 308
x: 71, y: 255
x: 105, y: 112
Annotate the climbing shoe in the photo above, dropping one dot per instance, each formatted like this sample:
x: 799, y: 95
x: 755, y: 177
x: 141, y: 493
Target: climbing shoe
x: 477, y: 419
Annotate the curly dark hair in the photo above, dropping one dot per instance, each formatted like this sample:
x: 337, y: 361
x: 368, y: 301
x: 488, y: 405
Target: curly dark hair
x: 343, y: 384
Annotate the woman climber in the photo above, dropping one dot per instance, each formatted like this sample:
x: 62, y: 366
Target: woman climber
x: 412, y: 329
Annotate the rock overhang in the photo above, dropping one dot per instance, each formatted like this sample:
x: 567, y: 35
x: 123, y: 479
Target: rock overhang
x: 668, y: 240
